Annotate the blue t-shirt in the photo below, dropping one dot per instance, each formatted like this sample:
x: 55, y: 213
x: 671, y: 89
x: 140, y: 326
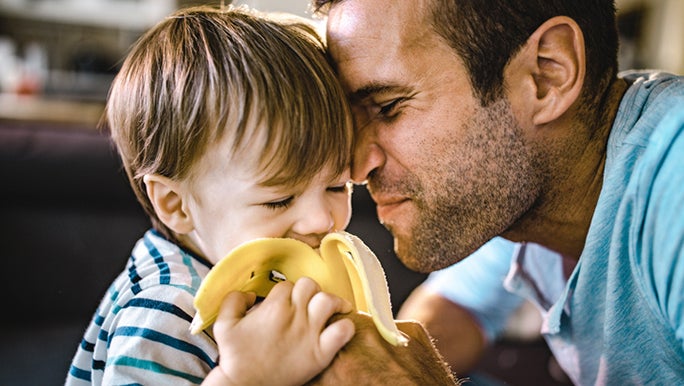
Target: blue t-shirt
x: 619, y: 318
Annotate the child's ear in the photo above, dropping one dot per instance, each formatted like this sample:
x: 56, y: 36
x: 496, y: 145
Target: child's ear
x: 167, y: 200
x: 552, y: 66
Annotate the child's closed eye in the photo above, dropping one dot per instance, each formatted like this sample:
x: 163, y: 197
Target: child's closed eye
x: 279, y: 204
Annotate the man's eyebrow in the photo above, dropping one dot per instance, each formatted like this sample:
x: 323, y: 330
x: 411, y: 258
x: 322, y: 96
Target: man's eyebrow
x: 374, y: 89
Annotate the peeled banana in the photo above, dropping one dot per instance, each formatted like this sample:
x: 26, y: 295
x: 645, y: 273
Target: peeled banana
x: 344, y: 266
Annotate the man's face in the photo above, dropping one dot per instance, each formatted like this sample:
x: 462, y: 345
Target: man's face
x: 446, y: 174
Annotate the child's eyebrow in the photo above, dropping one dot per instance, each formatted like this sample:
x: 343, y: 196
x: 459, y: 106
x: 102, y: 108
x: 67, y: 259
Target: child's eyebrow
x: 277, y: 185
x: 332, y: 179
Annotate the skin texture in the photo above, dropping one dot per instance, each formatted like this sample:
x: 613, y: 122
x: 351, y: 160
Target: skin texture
x: 448, y: 173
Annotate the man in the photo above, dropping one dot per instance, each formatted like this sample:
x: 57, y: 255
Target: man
x: 507, y: 118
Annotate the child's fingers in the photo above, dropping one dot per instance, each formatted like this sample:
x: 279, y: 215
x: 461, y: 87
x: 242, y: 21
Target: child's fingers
x: 235, y: 306
x: 334, y: 337
x: 324, y: 305
x: 280, y: 291
x: 302, y: 292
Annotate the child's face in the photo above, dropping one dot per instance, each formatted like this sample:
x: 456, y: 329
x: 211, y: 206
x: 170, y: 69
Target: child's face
x: 229, y: 207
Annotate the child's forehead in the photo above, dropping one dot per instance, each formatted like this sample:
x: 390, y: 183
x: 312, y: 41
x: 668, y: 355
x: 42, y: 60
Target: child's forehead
x: 266, y: 155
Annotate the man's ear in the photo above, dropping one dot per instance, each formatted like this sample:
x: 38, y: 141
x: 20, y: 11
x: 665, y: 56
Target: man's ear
x: 167, y: 200
x: 552, y: 65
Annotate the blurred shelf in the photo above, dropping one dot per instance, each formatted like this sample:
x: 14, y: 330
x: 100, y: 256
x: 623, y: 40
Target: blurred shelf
x: 123, y: 14
x: 42, y: 109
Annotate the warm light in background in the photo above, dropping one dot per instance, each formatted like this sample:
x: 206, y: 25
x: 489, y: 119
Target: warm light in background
x: 72, y: 48
x: 653, y: 30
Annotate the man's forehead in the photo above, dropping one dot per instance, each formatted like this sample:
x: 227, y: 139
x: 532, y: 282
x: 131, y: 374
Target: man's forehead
x: 349, y: 25
x: 360, y: 27
x: 371, y: 43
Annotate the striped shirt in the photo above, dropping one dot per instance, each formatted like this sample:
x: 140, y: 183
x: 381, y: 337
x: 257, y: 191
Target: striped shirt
x: 140, y: 333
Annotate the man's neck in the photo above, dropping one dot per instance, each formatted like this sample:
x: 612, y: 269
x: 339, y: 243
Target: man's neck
x: 562, y: 217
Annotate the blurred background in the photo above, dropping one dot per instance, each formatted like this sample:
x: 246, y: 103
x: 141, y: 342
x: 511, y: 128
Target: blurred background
x: 68, y: 215
x: 70, y: 49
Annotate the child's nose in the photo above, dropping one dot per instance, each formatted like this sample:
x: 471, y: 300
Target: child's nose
x: 314, y: 223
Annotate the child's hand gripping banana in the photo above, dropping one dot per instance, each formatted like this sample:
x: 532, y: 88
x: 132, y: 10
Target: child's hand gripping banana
x: 345, y: 267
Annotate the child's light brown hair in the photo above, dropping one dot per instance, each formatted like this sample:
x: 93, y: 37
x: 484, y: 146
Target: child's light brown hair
x: 204, y: 73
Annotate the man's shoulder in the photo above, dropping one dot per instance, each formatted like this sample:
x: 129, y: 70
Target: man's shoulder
x: 650, y: 78
x: 653, y: 88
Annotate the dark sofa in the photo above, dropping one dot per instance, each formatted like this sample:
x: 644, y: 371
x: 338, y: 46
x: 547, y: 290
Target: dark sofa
x: 69, y: 220
x: 68, y: 223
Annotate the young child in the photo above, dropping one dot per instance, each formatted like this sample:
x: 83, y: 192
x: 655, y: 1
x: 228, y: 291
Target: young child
x: 231, y: 126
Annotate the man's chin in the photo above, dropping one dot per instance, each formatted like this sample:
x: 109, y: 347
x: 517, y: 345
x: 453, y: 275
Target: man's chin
x: 412, y: 259
x: 425, y: 250
x: 402, y: 250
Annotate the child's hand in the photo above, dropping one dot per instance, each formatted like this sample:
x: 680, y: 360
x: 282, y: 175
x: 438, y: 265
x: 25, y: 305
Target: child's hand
x: 282, y: 341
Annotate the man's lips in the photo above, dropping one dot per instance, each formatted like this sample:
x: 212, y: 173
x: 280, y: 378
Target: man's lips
x: 387, y: 204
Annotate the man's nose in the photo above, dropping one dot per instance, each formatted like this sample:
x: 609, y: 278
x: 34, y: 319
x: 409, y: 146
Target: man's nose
x: 367, y: 157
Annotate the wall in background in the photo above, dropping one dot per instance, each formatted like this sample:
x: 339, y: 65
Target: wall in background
x: 72, y: 48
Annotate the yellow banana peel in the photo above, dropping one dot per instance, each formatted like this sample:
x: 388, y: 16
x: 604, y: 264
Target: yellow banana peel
x: 343, y: 266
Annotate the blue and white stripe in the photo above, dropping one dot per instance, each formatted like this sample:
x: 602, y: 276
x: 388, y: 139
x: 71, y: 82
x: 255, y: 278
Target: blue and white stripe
x: 140, y: 333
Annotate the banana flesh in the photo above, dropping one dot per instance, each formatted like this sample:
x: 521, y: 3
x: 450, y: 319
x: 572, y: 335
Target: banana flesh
x: 344, y: 266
